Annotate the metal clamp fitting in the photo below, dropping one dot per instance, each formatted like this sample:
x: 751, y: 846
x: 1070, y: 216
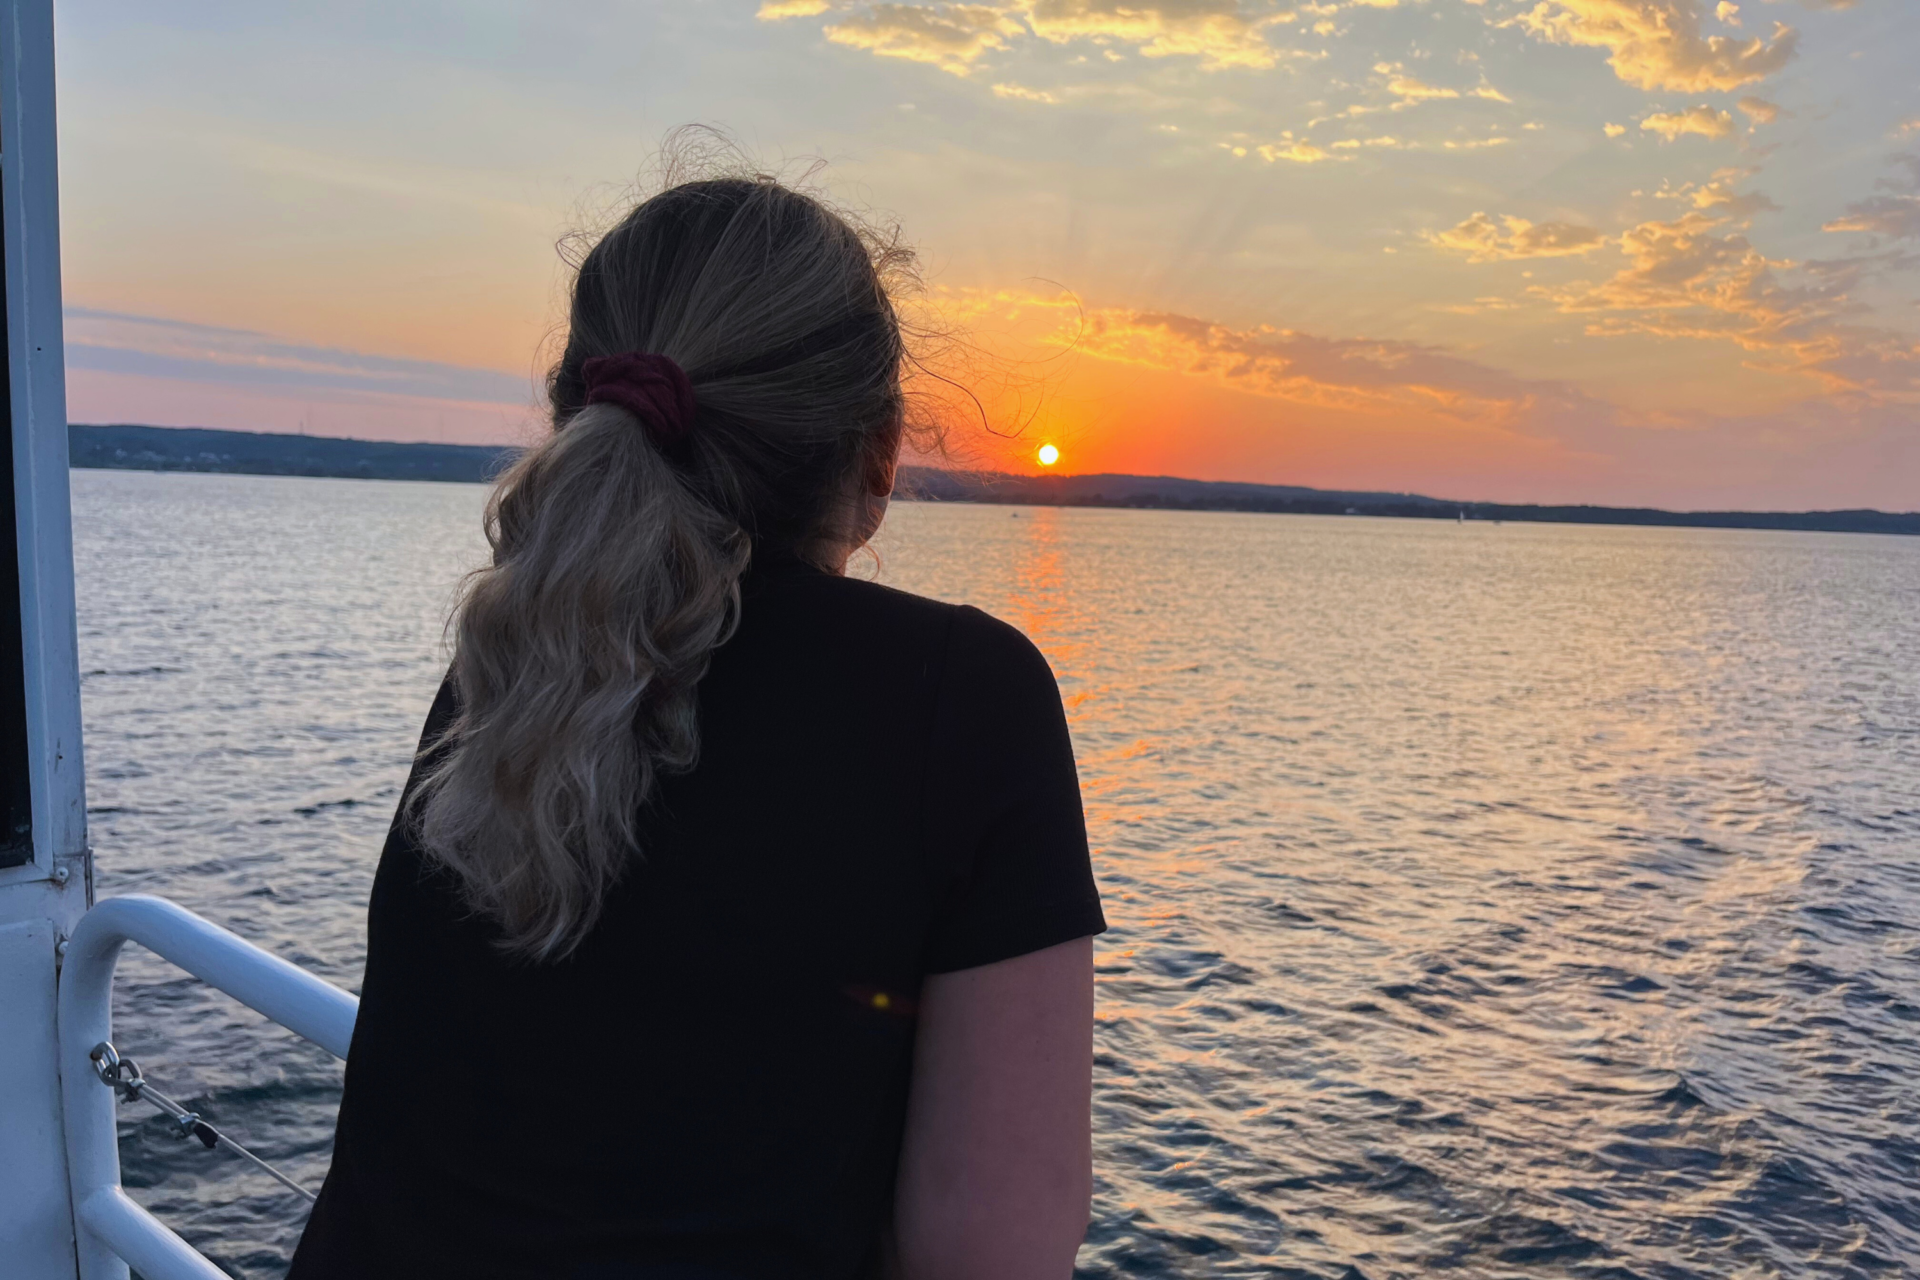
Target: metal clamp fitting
x: 116, y: 1072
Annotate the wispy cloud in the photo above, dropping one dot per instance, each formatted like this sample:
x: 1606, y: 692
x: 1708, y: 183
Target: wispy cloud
x: 1485, y: 239
x: 1297, y: 152
x: 1355, y: 374
x: 1218, y: 34
x: 1690, y: 277
x: 1717, y: 195
x: 1658, y: 44
x: 1684, y: 279
x: 1703, y: 120
x: 1023, y: 93
x: 779, y: 10
x: 1894, y: 216
x: 153, y: 346
x: 949, y: 36
x: 1410, y: 90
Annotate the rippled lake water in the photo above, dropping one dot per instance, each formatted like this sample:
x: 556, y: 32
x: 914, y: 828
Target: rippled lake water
x: 1488, y: 901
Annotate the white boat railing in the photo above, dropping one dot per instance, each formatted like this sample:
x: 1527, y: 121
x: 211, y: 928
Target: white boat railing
x: 112, y: 1231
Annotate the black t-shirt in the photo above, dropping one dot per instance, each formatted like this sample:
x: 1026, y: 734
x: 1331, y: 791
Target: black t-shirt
x: 714, y: 1084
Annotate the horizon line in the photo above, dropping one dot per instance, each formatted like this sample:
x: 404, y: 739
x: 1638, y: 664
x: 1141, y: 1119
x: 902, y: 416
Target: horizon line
x: 1057, y: 477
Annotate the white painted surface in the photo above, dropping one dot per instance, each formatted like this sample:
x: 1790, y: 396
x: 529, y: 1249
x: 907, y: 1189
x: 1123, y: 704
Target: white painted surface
x: 41, y: 901
x: 36, y: 1228
x: 30, y: 194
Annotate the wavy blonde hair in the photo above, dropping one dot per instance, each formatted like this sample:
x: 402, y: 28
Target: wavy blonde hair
x: 616, y: 567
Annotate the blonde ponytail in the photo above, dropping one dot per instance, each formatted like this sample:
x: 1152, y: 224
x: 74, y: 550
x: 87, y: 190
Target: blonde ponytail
x: 616, y: 567
x: 576, y: 659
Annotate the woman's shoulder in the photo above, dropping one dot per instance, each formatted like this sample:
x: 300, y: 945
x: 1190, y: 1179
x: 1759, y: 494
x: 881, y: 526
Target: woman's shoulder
x: 970, y: 650
x: 988, y: 661
x: 972, y: 632
x: 852, y: 607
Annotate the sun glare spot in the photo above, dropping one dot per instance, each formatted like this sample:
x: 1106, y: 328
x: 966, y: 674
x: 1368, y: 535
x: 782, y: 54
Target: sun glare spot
x: 1048, y: 455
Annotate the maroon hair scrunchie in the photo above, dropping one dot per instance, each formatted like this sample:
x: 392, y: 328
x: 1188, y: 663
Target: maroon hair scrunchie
x: 652, y: 388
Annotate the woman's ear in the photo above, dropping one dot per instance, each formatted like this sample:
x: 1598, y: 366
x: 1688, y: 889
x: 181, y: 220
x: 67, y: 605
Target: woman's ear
x: 884, y: 462
x: 880, y: 474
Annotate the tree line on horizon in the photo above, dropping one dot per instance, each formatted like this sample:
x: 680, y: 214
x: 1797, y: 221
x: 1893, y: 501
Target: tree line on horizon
x: 148, y: 448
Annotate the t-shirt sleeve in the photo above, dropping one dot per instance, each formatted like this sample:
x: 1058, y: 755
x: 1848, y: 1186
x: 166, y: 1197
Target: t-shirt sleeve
x: 1004, y: 800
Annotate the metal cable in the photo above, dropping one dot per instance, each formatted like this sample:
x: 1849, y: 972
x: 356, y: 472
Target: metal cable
x: 123, y: 1076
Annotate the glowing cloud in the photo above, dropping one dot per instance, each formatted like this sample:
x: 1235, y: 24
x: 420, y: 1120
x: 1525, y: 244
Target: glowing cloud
x: 1221, y: 33
x: 1685, y: 266
x: 779, y: 10
x: 1759, y: 110
x: 1483, y: 239
x: 1894, y: 216
x: 1717, y: 195
x: 1023, y: 93
x: 1703, y: 120
x: 1263, y: 360
x: 1411, y: 90
x: 1687, y: 278
x: 1298, y: 152
x: 1380, y: 380
x: 1405, y: 86
x: 1656, y: 44
x: 950, y: 36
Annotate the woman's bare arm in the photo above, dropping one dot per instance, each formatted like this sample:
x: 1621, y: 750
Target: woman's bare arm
x: 996, y: 1168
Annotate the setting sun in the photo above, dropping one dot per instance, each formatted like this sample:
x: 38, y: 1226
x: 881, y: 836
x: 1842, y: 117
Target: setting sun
x: 1048, y: 455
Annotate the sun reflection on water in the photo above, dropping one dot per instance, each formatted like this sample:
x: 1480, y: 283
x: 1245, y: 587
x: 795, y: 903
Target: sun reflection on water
x: 1482, y: 897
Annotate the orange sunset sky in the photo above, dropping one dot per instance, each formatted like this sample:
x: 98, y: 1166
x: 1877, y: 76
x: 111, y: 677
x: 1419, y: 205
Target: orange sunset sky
x: 1624, y: 251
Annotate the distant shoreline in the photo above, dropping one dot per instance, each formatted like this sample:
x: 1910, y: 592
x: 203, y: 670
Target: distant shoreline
x: 144, y: 448
x: 255, y: 453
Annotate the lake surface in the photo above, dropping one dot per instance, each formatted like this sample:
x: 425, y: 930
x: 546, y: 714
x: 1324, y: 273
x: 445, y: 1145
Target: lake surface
x: 1487, y: 901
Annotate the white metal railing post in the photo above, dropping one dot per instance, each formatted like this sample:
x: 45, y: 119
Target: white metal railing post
x: 46, y: 879
x: 37, y: 395
x: 113, y: 1230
